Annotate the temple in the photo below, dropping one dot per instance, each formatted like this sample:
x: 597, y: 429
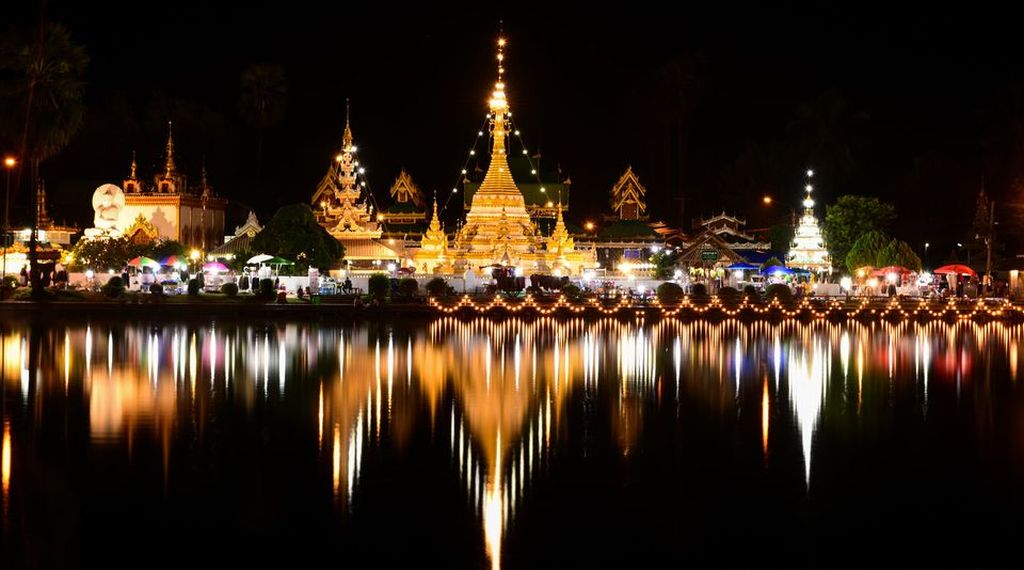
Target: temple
x: 167, y: 209
x: 499, y: 230
x: 808, y: 249
x: 342, y: 205
x: 338, y: 201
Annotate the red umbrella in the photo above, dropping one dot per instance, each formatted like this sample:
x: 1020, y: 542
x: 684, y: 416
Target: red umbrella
x: 885, y: 271
x: 957, y: 269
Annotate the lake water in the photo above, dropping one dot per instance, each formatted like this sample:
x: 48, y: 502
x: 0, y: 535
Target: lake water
x: 517, y: 444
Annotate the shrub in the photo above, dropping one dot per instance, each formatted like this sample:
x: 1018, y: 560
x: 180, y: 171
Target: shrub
x: 408, y: 288
x: 193, y: 286
x: 572, y: 292
x: 669, y: 293
x: 229, y: 289
x: 437, y: 287
x: 10, y: 282
x: 114, y: 287
x: 156, y: 289
x: 779, y: 291
x: 267, y: 289
x: 729, y: 293
x: 751, y: 292
x: 378, y: 286
x: 698, y: 290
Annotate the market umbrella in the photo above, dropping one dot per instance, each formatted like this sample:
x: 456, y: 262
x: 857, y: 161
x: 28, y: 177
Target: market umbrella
x: 773, y: 269
x: 172, y: 260
x: 142, y: 261
x: 260, y: 258
x: 956, y: 269
x: 214, y: 266
x: 885, y: 271
x: 277, y: 261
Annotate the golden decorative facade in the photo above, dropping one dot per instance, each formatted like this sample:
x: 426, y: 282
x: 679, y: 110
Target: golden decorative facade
x: 498, y: 229
x: 339, y: 203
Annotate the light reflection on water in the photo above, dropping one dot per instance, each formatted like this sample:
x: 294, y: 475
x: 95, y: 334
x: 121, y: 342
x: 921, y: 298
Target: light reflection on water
x: 500, y: 394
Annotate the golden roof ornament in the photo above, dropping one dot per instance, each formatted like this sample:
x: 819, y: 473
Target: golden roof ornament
x: 133, y: 176
x: 169, y: 168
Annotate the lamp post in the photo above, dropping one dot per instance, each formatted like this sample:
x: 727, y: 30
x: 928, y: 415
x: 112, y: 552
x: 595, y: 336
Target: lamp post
x: 9, y: 163
x: 926, y: 244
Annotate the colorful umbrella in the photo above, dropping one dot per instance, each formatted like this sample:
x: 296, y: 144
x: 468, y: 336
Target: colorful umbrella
x: 142, y: 261
x: 772, y: 270
x: 214, y: 266
x: 172, y: 260
x: 885, y: 271
x: 957, y: 269
x: 260, y: 258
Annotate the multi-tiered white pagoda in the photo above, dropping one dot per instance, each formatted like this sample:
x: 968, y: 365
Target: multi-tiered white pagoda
x: 808, y: 248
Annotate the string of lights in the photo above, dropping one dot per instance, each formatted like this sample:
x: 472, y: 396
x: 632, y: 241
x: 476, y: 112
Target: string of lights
x: 862, y: 309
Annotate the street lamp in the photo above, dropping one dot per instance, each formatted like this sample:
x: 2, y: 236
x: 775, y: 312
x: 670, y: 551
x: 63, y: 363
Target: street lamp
x: 926, y: 244
x: 9, y: 163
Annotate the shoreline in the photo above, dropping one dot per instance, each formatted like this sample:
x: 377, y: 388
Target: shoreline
x: 861, y: 310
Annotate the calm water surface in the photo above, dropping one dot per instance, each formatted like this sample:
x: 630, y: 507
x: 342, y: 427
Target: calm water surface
x: 518, y: 444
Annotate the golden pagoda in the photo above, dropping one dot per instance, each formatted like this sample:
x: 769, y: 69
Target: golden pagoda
x: 338, y: 203
x: 498, y: 228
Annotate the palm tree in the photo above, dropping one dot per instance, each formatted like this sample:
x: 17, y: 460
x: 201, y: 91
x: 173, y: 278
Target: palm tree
x: 41, y: 101
x: 824, y: 132
x: 682, y: 84
x: 263, y: 100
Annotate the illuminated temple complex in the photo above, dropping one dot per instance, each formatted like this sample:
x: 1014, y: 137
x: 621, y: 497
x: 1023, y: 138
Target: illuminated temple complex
x: 499, y: 229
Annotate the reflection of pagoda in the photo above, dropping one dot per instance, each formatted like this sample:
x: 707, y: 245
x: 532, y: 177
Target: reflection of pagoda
x: 808, y: 248
x: 498, y: 229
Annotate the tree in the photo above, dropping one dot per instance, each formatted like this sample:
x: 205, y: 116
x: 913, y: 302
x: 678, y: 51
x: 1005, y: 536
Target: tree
x: 665, y: 263
x: 851, y: 217
x: 41, y: 101
x: 781, y: 236
x: 165, y: 248
x: 899, y: 253
x: 263, y: 100
x: 823, y: 133
x: 294, y: 233
x: 104, y: 254
x: 865, y: 251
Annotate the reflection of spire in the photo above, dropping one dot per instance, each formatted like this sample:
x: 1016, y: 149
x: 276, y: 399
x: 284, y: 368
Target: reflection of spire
x: 169, y: 168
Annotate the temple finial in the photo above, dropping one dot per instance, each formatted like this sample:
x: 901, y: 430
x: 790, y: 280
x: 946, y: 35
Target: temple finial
x: 169, y: 166
x: 346, y: 138
x: 133, y: 176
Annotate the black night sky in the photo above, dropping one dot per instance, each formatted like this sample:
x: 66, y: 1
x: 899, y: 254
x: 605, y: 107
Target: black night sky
x: 924, y: 102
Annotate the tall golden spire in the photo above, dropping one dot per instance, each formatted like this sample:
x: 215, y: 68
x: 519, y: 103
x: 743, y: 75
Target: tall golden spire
x: 346, y: 138
x: 169, y: 166
x: 133, y: 176
x: 498, y: 178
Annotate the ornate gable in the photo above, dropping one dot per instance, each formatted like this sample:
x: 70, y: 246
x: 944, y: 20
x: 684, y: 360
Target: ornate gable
x: 628, y: 194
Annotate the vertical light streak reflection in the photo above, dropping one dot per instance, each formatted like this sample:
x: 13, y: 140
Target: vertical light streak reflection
x: 5, y: 469
x: 765, y: 413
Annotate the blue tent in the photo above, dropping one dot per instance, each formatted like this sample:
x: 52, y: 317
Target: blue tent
x: 774, y: 269
x: 743, y: 266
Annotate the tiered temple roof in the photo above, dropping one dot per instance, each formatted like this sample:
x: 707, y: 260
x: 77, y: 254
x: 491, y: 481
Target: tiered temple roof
x: 339, y: 202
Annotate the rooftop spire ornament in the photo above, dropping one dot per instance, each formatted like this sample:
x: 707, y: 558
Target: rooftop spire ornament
x: 169, y: 168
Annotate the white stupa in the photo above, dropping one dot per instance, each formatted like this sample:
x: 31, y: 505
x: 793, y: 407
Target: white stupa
x: 808, y: 248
